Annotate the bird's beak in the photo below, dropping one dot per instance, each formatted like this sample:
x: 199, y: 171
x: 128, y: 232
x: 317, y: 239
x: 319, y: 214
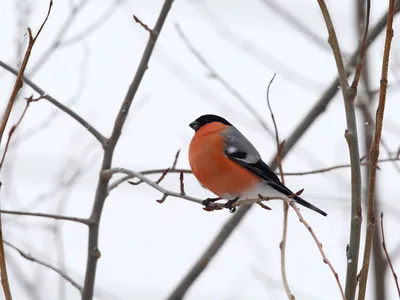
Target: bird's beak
x: 194, y: 125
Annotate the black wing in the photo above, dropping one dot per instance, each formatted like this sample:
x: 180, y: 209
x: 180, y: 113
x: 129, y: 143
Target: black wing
x: 262, y: 170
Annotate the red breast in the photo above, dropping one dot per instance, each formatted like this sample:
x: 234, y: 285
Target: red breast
x: 212, y: 168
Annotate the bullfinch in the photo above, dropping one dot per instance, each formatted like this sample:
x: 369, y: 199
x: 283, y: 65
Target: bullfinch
x: 225, y: 162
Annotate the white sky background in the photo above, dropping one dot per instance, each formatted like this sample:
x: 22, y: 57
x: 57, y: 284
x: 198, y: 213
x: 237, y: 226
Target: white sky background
x: 147, y: 247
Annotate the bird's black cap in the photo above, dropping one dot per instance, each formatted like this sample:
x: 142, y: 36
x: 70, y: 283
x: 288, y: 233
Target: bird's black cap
x: 207, y: 119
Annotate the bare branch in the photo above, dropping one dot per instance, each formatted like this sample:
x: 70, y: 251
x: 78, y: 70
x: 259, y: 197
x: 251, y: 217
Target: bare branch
x: 93, y: 253
x: 363, y: 48
x: 147, y: 28
x: 56, y: 103
x: 43, y: 215
x: 351, y: 135
x: 12, y: 130
x: 374, y: 152
x: 28, y: 256
x: 282, y: 245
x: 17, y: 86
x: 319, y: 245
x: 388, y: 257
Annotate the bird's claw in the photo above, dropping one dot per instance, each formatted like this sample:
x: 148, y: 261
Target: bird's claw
x: 207, y: 202
x: 229, y: 205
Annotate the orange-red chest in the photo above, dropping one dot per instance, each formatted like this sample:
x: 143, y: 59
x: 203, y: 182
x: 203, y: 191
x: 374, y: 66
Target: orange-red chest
x: 213, y: 169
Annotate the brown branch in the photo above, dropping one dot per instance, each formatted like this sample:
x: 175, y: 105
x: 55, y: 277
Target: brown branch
x: 43, y: 215
x: 215, y: 75
x: 58, y: 104
x: 374, y: 152
x: 147, y: 28
x: 28, y: 256
x: 181, y: 184
x: 11, y: 132
x: 102, y: 190
x: 20, y: 73
x: 164, y: 173
x: 388, y: 257
x: 282, y: 245
x: 17, y: 86
x: 363, y: 48
x: 231, y: 224
x: 66, y: 25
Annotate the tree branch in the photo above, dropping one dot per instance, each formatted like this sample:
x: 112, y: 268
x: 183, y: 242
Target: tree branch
x: 374, y: 152
x: 102, y: 186
x: 28, y: 256
x: 17, y: 86
x: 58, y: 104
x: 388, y: 257
x: 48, y: 216
x: 351, y: 135
x: 282, y: 244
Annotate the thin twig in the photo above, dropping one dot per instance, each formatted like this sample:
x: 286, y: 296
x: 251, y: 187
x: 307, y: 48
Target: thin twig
x: 58, y: 104
x: 17, y: 86
x: 11, y: 132
x: 20, y: 73
x: 374, y: 152
x: 164, y: 173
x: 363, y: 48
x: 282, y: 244
x: 388, y: 257
x: 181, y: 184
x: 147, y: 28
x: 102, y: 190
x: 214, y: 74
x: 43, y: 215
x: 28, y: 256
x: 319, y: 245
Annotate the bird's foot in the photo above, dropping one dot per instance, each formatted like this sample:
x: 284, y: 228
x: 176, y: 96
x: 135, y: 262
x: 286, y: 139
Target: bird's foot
x: 207, y: 202
x: 229, y: 204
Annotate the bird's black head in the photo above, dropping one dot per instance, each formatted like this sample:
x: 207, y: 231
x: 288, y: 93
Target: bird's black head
x: 207, y: 119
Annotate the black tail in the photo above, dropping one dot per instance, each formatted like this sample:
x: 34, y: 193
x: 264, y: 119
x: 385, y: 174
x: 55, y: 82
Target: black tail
x: 309, y: 205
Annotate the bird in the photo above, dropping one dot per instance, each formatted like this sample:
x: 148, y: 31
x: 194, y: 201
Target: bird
x: 225, y: 162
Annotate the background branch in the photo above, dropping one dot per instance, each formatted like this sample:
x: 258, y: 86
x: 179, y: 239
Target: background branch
x: 351, y: 135
x: 93, y: 253
x: 374, y: 152
x: 282, y: 245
